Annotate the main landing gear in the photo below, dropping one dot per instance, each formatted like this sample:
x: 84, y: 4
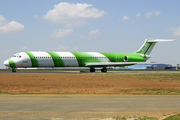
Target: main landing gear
x: 104, y: 69
x: 92, y: 70
x: 13, y: 70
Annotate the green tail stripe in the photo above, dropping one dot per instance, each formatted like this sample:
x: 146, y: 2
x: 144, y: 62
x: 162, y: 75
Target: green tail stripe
x: 148, y: 48
x: 33, y: 60
x: 11, y: 63
x: 58, y: 62
x: 144, y: 49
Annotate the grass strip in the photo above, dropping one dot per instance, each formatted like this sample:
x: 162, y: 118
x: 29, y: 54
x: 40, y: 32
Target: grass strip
x: 173, y: 117
x: 152, y: 91
x: 146, y: 118
x: 139, y: 118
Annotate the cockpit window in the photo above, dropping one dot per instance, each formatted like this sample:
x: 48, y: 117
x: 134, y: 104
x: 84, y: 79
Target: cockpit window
x: 17, y: 56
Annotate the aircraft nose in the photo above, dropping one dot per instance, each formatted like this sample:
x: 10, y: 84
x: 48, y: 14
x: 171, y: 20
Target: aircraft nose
x: 6, y: 63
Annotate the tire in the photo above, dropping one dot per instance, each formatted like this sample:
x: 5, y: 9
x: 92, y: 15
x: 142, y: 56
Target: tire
x: 92, y: 70
x: 103, y: 70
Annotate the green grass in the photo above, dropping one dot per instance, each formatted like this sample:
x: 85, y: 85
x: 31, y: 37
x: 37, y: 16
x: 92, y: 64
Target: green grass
x: 146, y: 118
x: 152, y: 91
x: 174, y: 117
x: 139, y: 118
x: 4, y: 92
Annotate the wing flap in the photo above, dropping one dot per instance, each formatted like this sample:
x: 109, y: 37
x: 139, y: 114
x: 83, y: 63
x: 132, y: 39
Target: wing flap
x: 109, y: 64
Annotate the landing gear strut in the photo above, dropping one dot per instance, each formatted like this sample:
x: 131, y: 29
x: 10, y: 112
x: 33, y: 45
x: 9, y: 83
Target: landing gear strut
x: 104, y: 69
x: 13, y: 70
x: 92, y: 70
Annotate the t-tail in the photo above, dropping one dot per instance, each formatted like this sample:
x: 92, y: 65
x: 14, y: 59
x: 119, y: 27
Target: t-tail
x: 148, y: 45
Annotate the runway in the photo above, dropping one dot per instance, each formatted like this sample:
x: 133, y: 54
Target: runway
x: 58, y: 107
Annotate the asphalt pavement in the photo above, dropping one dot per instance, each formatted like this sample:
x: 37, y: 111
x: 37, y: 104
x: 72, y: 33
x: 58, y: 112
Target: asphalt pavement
x: 60, y: 107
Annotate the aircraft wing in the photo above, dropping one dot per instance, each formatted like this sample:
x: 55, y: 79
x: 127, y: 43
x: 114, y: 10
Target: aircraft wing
x: 101, y: 64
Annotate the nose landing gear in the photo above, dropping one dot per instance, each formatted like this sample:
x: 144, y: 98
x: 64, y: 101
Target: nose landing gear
x: 13, y: 70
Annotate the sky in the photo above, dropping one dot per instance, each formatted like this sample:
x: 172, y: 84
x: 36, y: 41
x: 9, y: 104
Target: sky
x: 90, y: 26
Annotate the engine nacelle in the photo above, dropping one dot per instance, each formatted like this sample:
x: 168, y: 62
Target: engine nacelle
x: 133, y: 59
x: 125, y: 58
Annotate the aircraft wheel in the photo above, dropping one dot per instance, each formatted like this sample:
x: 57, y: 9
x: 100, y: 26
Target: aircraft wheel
x: 92, y: 70
x: 103, y: 70
x: 13, y: 70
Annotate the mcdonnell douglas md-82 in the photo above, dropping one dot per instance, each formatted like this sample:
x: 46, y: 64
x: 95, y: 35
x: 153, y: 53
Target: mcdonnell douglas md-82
x: 81, y: 59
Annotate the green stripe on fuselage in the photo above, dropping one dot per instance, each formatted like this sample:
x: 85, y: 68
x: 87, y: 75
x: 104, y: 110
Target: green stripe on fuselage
x: 83, y: 58
x: 11, y: 63
x: 33, y: 60
x: 58, y: 62
x: 110, y: 56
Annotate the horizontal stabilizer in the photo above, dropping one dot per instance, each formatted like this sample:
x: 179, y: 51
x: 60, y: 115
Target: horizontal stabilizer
x: 109, y: 64
x: 160, y: 40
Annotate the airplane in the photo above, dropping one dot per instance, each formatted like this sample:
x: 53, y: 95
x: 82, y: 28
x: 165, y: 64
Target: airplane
x: 32, y: 59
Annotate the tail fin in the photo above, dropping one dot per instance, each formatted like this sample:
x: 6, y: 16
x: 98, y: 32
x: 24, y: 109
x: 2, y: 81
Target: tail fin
x: 149, y: 44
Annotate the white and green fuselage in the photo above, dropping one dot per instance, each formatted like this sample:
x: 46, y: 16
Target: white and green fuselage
x: 69, y: 59
x: 81, y: 59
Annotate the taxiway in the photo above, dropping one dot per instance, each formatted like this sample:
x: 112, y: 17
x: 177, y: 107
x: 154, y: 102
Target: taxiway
x: 58, y: 107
